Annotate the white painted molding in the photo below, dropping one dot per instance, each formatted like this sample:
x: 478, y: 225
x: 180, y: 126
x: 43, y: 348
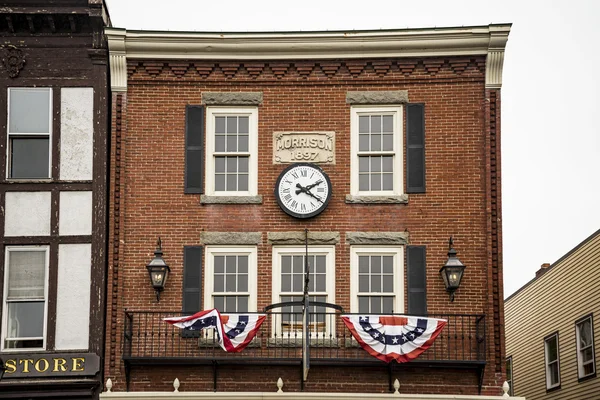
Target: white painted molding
x: 428, y: 42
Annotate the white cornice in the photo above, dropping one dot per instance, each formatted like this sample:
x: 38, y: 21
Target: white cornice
x: 435, y: 42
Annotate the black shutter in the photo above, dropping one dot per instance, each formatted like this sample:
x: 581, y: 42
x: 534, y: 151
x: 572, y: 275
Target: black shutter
x: 415, y: 148
x: 417, y: 280
x: 192, y: 283
x: 194, y: 149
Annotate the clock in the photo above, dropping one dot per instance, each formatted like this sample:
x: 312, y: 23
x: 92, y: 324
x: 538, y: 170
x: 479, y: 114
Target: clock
x: 303, y: 190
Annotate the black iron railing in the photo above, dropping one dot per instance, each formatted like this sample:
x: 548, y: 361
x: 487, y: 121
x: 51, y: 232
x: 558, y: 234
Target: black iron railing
x: 148, y: 337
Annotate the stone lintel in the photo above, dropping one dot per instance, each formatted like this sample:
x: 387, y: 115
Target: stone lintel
x: 232, y: 98
x: 231, y: 238
x: 377, y: 238
x: 204, y: 199
x: 392, y: 199
x: 297, y: 238
x: 385, y: 97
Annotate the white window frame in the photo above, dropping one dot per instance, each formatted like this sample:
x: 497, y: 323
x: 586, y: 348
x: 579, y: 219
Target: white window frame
x: 329, y: 253
x: 547, y: 339
x: 398, y: 153
x: 7, y: 251
x: 209, y: 268
x: 580, y: 365
x: 252, y: 113
x: 509, y: 378
x: 398, y: 253
x: 26, y: 134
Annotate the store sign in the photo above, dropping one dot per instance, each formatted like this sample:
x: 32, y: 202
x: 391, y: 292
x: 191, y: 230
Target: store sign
x: 50, y: 365
x: 313, y: 147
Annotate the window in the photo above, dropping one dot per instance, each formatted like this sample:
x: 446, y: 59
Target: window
x: 584, y: 329
x: 377, y: 280
x: 25, y: 298
x: 376, y: 165
x: 29, y: 132
x: 509, y: 376
x: 230, y: 279
x: 552, y: 362
x: 288, y: 285
x: 232, y: 151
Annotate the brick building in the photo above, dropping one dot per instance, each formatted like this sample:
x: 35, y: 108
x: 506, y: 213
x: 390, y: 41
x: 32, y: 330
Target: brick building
x: 405, y: 124
x: 53, y: 196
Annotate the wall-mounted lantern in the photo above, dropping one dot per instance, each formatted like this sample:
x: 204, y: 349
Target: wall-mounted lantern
x: 452, y: 271
x: 158, y: 270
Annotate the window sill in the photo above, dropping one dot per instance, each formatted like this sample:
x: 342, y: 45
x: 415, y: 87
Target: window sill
x: 205, y: 199
x: 366, y: 199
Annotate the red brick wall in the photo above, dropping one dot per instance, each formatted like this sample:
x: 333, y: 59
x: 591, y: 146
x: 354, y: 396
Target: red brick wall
x: 147, y: 168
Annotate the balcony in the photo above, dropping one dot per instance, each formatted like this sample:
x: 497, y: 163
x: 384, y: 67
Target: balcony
x: 151, y: 341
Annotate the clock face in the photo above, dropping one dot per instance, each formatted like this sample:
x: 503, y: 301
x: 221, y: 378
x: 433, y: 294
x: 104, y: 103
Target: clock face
x: 303, y: 190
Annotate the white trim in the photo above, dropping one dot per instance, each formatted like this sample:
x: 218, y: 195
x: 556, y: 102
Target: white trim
x: 25, y: 134
x: 398, y: 152
x: 7, y: 250
x: 549, y: 385
x: 398, y: 253
x: 210, y: 252
x: 252, y: 113
x: 580, y: 365
x: 328, y: 252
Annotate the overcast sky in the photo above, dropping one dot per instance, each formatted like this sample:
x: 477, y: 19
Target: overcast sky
x: 550, y: 96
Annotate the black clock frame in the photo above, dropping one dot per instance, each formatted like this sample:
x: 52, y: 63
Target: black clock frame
x: 292, y: 213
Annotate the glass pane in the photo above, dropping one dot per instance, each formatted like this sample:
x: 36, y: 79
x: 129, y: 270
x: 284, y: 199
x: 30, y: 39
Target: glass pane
x: 376, y: 124
x: 243, y: 164
x: 298, y: 264
x: 220, y: 164
x: 375, y: 164
x: 388, y: 143
x: 220, y: 143
x: 231, y: 183
x: 219, y: 283
x: 584, y: 333
x: 231, y: 143
x: 388, y: 305
x: 376, y: 182
x: 25, y: 319
x: 286, y: 264
x: 363, y: 124
x: 242, y: 283
x: 298, y: 283
x: 387, y: 182
x: 376, y: 264
x: 363, y: 182
x: 29, y: 158
x: 363, y: 264
x: 219, y: 264
x: 230, y: 264
x: 375, y: 142
x: 230, y: 304
x: 232, y: 164
x: 230, y: 283
x: 243, y: 264
x: 231, y: 124
x: 551, y: 349
x: 242, y: 182
x: 242, y: 304
x: 388, y: 123
x: 376, y: 284
x: 387, y: 164
x: 363, y: 284
x: 388, y: 284
x: 376, y: 305
x: 244, y: 124
x: 286, y: 283
x: 388, y: 264
x: 321, y: 264
x: 363, y: 164
x: 587, y: 354
x: 363, y: 305
x: 243, y: 143
x: 320, y: 283
x: 26, y: 276
x: 219, y: 183
x: 219, y: 124
x: 554, y: 374
x: 29, y: 111
x: 219, y: 302
x: 363, y: 142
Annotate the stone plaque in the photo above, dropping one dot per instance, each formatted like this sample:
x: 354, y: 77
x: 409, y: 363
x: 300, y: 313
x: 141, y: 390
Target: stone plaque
x: 313, y: 147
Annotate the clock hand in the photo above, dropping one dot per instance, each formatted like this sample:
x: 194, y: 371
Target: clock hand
x: 301, y: 189
x: 317, y: 183
x: 308, y: 192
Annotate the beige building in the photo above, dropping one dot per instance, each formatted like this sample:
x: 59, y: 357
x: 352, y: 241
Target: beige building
x: 552, y: 328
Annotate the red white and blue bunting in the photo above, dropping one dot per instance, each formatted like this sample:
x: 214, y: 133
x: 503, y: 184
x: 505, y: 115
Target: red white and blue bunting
x: 234, y: 332
x: 390, y: 337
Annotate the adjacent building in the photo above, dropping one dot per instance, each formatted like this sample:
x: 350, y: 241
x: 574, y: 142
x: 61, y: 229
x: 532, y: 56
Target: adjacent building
x: 551, y: 328
x: 402, y: 127
x: 53, y: 190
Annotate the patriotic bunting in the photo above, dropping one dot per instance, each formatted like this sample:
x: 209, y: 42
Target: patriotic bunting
x: 234, y: 331
x: 394, y: 337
